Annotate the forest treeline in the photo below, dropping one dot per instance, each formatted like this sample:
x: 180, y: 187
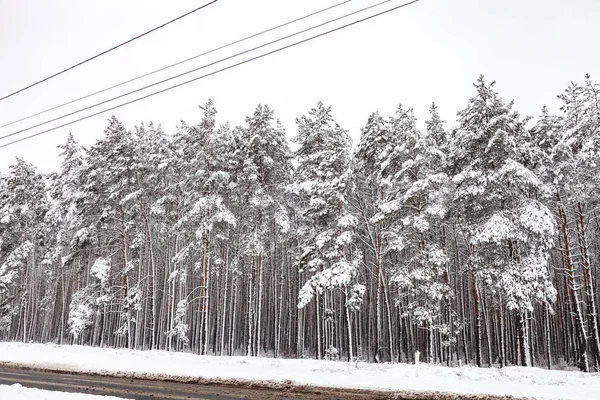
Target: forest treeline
x: 477, y: 243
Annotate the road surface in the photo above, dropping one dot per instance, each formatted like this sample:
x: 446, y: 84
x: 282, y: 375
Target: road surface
x: 139, y: 389
x: 142, y: 389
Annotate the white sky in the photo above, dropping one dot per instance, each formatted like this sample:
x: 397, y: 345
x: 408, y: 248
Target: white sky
x: 430, y: 51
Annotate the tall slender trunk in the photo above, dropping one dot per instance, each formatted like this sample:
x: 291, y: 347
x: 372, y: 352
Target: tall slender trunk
x: 126, y: 277
x: 525, y: 360
x: 502, y: 334
x: 349, y: 325
x: 547, y: 334
x: 572, y: 287
x: 280, y: 317
x: 224, y: 312
x: 488, y: 334
x: 389, y: 322
x: 250, y: 315
x: 233, y: 330
x: 318, y: 316
x: 259, y: 313
x: 379, y: 325
x: 592, y: 312
x: 477, y: 322
x: 154, y: 287
x: 205, y: 294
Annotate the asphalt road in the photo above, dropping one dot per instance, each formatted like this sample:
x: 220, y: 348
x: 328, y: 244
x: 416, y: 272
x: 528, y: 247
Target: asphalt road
x: 139, y: 389
x: 145, y: 389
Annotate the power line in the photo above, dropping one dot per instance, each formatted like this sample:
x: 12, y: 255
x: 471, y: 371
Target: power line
x: 177, y: 63
x: 109, y: 50
x: 213, y: 73
x: 206, y: 75
x: 192, y: 70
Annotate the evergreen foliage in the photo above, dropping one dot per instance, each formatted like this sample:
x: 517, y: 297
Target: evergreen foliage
x: 477, y: 242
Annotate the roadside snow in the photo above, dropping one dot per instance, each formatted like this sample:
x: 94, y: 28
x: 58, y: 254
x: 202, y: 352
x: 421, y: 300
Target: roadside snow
x: 515, y: 381
x: 18, y: 392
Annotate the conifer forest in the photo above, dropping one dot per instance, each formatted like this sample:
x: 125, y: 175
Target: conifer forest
x: 476, y: 241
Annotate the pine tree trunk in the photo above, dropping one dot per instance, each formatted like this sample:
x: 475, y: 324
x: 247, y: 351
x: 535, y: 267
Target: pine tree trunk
x: 319, y: 353
x: 592, y: 313
x: 206, y: 299
x: 259, y: 316
x: 234, y: 313
x: 525, y: 360
x: 224, y: 308
x: 280, y: 317
x: 250, y: 316
x: 349, y: 325
x: 579, y: 327
x: 547, y: 332
x: 379, y: 327
x: 477, y: 323
x: 502, y: 334
x: 486, y: 324
x: 154, y: 288
x: 389, y: 323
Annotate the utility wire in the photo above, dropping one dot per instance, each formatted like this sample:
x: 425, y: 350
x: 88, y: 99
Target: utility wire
x: 213, y: 73
x: 109, y: 50
x: 193, y: 70
x: 177, y: 63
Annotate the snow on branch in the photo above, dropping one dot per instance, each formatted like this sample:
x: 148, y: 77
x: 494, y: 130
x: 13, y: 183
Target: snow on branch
x: 339, y: 275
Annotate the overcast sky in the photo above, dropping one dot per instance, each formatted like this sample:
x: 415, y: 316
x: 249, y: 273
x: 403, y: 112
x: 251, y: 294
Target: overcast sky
x: 430, y: 51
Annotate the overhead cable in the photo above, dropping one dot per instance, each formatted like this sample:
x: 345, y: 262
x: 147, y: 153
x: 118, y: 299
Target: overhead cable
x: 212, y: 73
x: 107, y: 51
x: 191, y: 71
x: 175, y: 64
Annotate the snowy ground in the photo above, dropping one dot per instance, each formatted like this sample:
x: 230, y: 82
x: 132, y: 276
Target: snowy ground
x: 515, y: 381
x: 18, y: 392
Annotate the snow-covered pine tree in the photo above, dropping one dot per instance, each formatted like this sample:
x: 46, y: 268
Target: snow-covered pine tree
x: 263, y: 173
x: 438, y: 140
x: 574, y: 172
x: 110, y: 184
x: 151, y: 170
x: 538, y: 156
x: 435, y: 127
x: 498, y: 203
x: 205, y: 216
x: 147, y: 196
x: 416, y: 191
x: 23, y: 206
x: 368, y: 197
x: 322, y: 181
x: 63, y: 220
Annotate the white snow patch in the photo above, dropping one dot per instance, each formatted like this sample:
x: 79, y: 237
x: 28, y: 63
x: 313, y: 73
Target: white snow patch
x: 101, y: 270
x: 516, y: 381
x: 18, y: 392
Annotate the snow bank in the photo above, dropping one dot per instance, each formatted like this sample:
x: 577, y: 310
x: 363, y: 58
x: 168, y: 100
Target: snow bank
x: 18, y: 392
x: 515, y: 381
